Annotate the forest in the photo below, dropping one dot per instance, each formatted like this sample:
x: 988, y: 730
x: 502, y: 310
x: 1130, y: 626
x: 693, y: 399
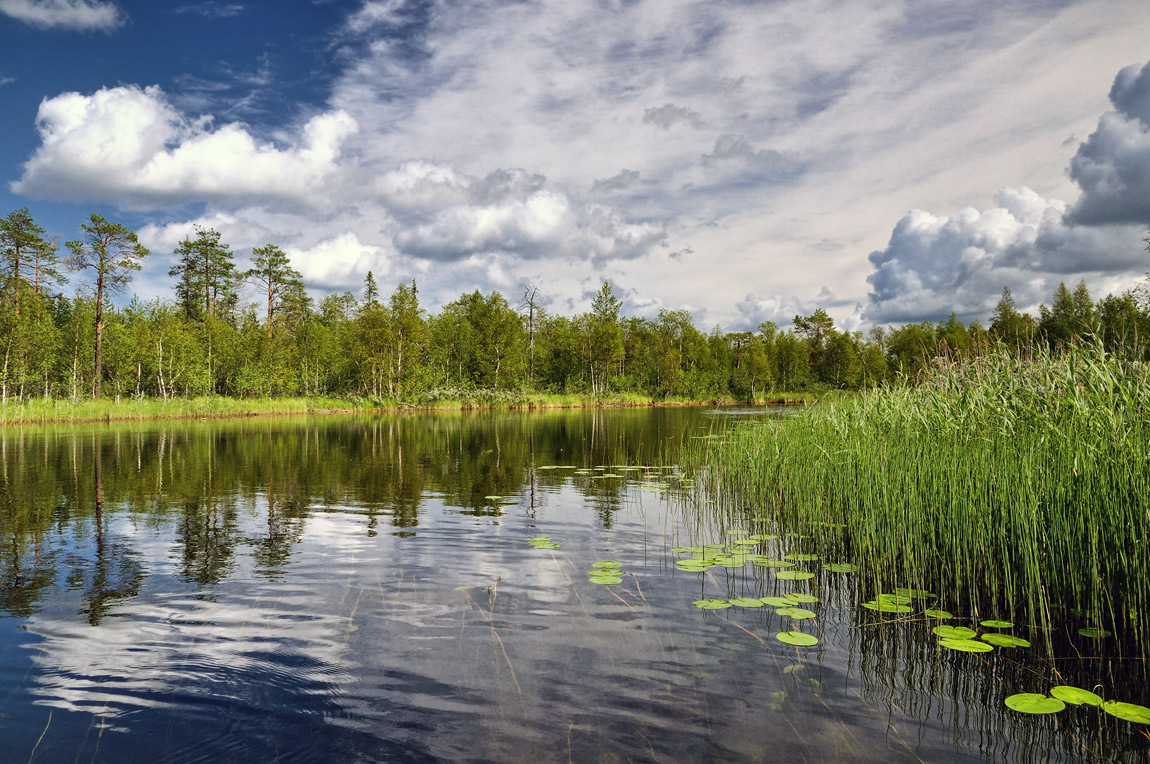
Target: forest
x: 208, y: 340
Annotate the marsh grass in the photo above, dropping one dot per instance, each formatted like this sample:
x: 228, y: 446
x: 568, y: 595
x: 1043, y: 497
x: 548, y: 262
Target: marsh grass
x: 1013, y: 487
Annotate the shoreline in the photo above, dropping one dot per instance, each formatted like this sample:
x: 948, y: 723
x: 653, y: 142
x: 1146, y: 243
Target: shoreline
x: 40, y: 412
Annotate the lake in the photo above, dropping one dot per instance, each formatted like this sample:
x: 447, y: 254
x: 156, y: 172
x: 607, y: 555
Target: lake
x: 362, y: 589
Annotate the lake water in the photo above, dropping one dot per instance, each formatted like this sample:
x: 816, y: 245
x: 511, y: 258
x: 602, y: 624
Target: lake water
x: 362, y: 590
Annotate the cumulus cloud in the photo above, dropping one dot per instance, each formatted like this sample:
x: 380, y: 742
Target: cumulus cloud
x: 933, y: 265
x: 130, y: 145
x: 339, y: 262
x: 64, y: 14
x: 621, y: 181
x: 670, y: 114
x: 1112, y: 167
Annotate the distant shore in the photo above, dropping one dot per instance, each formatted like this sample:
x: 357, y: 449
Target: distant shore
x: 52, y: 411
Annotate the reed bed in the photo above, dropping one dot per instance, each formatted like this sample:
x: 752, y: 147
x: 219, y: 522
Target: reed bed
x: 1012, y: 487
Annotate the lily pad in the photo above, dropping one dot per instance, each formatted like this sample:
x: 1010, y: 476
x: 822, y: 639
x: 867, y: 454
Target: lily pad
x: 493, y: 498
x: 1004, y: 640
x: 746, y: 602
x: 799, y: 598
x: 711, y: 604
x: 887, y: 607
x: 894, y: 599
x: 1094, y: 633
x: 1076, y: 696
x: 940, y: 614
x: 998, y: 624
x: 797, y: 638
x: 607, y: 564
x: 692, y: 566
x: 840, y: 567
x: 763, y: 562
x: 954, y: 632
x: 776, y: 601
x: 605, y: 579
x: 798, y: 613
x: 965, y: 645
x: 794, y: 575
x: 915, y: 594
x: 1127, y: 711
x: 802, y: 557
x: 1034, y: 703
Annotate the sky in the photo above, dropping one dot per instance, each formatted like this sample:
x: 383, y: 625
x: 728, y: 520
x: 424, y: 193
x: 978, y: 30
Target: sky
x: 887, y: 161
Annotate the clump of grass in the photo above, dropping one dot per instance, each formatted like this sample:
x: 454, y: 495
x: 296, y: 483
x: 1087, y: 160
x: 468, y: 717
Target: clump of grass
x: 1012, y: 484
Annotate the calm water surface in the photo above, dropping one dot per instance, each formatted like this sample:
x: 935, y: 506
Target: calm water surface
x: 361, y: 590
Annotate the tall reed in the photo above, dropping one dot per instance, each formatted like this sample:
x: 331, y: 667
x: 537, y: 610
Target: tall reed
x: 1008, y: 485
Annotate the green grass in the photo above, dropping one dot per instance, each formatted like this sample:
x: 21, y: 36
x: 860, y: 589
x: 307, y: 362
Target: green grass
x: 1006, y: 485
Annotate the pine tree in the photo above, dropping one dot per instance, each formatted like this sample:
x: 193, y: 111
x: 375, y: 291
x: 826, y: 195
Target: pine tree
x: 113, y: 252
x: 275, y: 277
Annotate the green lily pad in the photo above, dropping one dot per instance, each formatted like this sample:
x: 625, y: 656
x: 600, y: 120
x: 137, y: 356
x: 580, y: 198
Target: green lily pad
x: 1004, y: 640
x: 1034, y: 703
x: 794, y: 575
x: 799, y: 598
x: 887, y: 607
x: 798, y: 613
x: 954, y: 632
x: 940, y: 614
x: 746, y: 602
x: 764, y: 537
x: 543, y: 544
x: 763, y: 562
x: 915, y: 594
x: 1076, y: 696
x: 840, y: 567
x: 965, y: 645
x: 1094, y: 633
x: 802, y: 557
x: 493, y: 498
x: 797, y: 638
x: 607, y: 564
x: 711, y: 604
x: 894, y: 599
x: 776, y: 601
x: 737, y: 531
x: 998, y: 624
x: 1127, y: 711
x: 605, y: 579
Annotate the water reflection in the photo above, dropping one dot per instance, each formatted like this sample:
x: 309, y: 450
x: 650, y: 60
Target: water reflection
x: 360, y: 589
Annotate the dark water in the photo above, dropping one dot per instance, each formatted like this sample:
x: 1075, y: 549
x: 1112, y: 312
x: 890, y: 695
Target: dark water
x: 349, y: 590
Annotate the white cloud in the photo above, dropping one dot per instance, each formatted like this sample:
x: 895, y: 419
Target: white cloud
x: 934, y: 265
x: 129, y: 145
x: 340, y: 262
x: 64, y: 14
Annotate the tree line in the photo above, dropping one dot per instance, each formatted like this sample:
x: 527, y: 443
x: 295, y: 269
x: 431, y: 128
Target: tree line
x: 207, y: 340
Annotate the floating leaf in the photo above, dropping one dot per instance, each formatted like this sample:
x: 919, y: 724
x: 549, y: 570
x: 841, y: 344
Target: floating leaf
x: 493, y: 498
x: 745, y: 542
x: 793, y: 668
x: 799, y: 598
x: 737, y: 532
x: 840, y: 567
x: 798, y: 613
x: 915, y: 594
x: 692, y: 566
x: 1076, y: 696
x: 794, y: 575
x: 998, y: 624
x: 746, y: 602
x: 1004, y: 640
x: 965, y: 645
x: 711, y: 604
x: 776, y: 601
x: 1034, y: 703
x: 1094, y: 633
x: 607, y: 564
x: 954, y: 632
x: 797, y: 638
x: 941, y: 614
x: 887, y: 607
x: 763, y: 562
x: 1127, y: 711
x: 802, y: 557
x: 764, y: 537
x: 894, y: 599
x: 605, y: 579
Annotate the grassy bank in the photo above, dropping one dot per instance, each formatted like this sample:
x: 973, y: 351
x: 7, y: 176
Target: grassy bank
x: 41, y: 411
x: 1013, y: 488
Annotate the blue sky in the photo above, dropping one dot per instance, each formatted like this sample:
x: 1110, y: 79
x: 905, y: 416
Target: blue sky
x: 748, y: 161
